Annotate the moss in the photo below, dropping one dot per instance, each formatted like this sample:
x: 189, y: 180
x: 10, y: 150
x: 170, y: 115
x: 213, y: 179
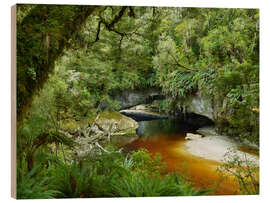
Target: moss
x: 41, y: 38
x: 87, y: 121
x: 110, y: 115
x: 70, y: 125
x: 129, y: 132
x: 123, y: 125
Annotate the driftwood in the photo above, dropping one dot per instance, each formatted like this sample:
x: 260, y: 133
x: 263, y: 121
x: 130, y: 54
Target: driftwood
x: 99, y: 146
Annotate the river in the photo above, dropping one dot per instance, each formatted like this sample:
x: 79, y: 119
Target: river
x: 167, y: 138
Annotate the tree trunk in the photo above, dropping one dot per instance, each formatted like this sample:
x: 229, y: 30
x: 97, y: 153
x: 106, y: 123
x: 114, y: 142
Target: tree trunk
x: 30, y: 161
x: 35, y: 60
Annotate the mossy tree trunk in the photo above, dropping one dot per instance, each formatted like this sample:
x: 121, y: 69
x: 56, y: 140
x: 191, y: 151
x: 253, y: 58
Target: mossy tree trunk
x: 41, y: 38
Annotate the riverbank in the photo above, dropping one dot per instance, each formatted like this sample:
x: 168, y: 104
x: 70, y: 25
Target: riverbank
x: 218, y: 148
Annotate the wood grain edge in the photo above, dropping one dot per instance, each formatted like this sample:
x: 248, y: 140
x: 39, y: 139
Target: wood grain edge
x: 13, y: 101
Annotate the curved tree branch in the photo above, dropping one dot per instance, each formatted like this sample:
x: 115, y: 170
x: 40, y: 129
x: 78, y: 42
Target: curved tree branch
x: 178, y: 64
x: 38, y: 46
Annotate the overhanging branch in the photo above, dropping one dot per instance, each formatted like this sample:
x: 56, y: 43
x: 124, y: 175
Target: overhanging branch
x: 109, y: 26
x: 178, y: 64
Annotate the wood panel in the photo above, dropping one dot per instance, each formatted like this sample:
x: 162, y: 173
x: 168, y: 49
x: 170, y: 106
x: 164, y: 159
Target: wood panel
x: 13, y: 101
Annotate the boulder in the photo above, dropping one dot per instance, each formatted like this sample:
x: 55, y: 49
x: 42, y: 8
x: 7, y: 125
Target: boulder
x: 207, y: 131
x: 191, y: 136
x: 112, y: 121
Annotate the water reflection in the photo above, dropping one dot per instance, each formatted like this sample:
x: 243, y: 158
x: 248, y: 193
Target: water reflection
x: 164, y: 126
x: 167, y: 137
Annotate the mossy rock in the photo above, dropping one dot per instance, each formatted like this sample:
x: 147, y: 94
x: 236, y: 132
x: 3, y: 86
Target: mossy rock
x: 110, y: 115
x: 108, y: 121
x: 112, y: 121
x: 70, y: 126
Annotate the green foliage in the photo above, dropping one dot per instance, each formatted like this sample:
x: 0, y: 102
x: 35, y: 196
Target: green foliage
x: 216, y: 52
x: 228, y: 81
x: 179, y: 84
x: 43, y: 31
x: 143, y: 160
x: 35, y: 135
x: 244, y: 171
x: 118, y: 175
x: 42, y: 126
x: 75, y: 181
x: 105, y: 175
x: 142, y: 186
x: 34, y: 186
x: 243, y: 104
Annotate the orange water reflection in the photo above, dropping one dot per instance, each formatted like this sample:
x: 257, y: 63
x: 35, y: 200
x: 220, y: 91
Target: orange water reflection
x: 201, y: 172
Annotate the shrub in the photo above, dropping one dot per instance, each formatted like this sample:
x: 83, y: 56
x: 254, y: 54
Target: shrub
x: 244, y: 171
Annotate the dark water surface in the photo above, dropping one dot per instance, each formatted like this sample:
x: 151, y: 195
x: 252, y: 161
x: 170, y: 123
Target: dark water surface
x: 167, y: 137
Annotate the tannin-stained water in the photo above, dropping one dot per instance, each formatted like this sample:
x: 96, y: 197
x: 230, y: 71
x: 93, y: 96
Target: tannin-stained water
x: 167, y: 138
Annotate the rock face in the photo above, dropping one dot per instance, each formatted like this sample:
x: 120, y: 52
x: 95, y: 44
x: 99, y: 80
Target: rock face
x: 142, y: 115
x: 200, y: 105
x: 196, y: 103
x: 129, y: 98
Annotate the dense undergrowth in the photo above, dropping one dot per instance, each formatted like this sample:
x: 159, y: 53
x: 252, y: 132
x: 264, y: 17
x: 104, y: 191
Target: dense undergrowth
x: 104, y: 175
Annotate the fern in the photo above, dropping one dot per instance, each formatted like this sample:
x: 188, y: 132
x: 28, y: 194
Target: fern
x: 76, y: 181
x: 142, y: 185
x: 32, y: 186
x: 180, y: 84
